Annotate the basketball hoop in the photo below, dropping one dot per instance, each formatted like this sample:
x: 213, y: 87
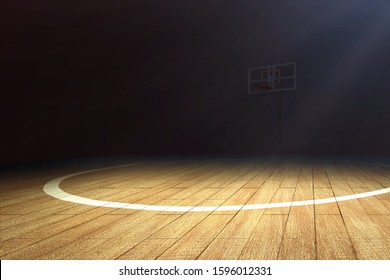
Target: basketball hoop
x: 271, y: 78
x: 266, y: 86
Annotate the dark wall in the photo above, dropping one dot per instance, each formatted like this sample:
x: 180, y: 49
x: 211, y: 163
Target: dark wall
x: 97, y: 78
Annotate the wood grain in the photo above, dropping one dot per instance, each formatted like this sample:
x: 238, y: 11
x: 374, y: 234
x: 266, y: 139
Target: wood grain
x: 34, y: 225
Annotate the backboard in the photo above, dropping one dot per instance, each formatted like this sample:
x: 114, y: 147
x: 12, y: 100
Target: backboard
x: 271, y: 78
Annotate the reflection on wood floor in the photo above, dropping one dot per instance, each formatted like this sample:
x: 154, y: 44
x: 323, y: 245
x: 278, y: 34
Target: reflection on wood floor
x: 37, y: 226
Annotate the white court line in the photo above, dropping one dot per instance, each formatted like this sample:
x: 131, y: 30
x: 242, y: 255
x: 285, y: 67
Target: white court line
x: 53, y: 189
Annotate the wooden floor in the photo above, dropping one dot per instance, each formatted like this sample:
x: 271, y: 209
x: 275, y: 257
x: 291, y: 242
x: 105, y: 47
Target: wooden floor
x: 35, y: 225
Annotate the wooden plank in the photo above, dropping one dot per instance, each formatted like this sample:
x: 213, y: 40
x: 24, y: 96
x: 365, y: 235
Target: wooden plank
x: 372, y: 249
x: 382, y: 222
x: 47, y: 202
x: 191, y: 245
x: 333, y: 242
x: 241, y: 197
x: 299, y: 236
x: 361, y: 172
x: 382, y: 177
x: 47, y: 245
x: 54, y: 229
x: 11, y: 245
x: 218, y: 177
x: 303, y: 192
x: 70, y: 208
x: 66, y: 224
x: 21, y: 229
x: 11, y: 198
x: 265, y: 241
x: 193, y: 200
x: 148, y: 249
x: 350, y: 178
x: 364, y: 233
x: 190, y: 190
x: 5, y: 218
x: 155, y: 196
x: 372, y: 205
x: 265, y: 193
x: 281, y: 195
x: 328, y: 208
x: 228, y: 191
x: 232, y: 173
x: 223, y: 249
x: 34, y: 200
x: 290, y: 180
x: 320, y: 177
x: 372, y: 185
x: 28, y: 206
x: 358, y: 222
x: 383, y: 166
x: 248, y: 176
x: 74, y: 250
x: 126, y: 240
x: 280, y: 171
x: 181, y: 226
x: 196, y: 197
x: 306, y: 175
x: 21, y: 219
x: 126, y: 224
x: 341, y: 188
x: 367, y: 238
x: 242, y: 224
x: 264, y: 174
x: 332, y: 171
x: 245, y: 221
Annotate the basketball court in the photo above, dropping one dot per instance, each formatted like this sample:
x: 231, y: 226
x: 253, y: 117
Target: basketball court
x: 198, y: 209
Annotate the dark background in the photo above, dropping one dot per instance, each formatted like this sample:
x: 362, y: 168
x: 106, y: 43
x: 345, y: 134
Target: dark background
x: 168, y: 77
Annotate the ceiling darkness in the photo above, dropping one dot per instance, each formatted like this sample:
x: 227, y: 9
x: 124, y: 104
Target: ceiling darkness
x: 119, y: 78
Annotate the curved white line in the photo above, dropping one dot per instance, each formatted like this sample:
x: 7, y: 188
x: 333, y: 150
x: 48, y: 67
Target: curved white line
x: 53, y: 189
